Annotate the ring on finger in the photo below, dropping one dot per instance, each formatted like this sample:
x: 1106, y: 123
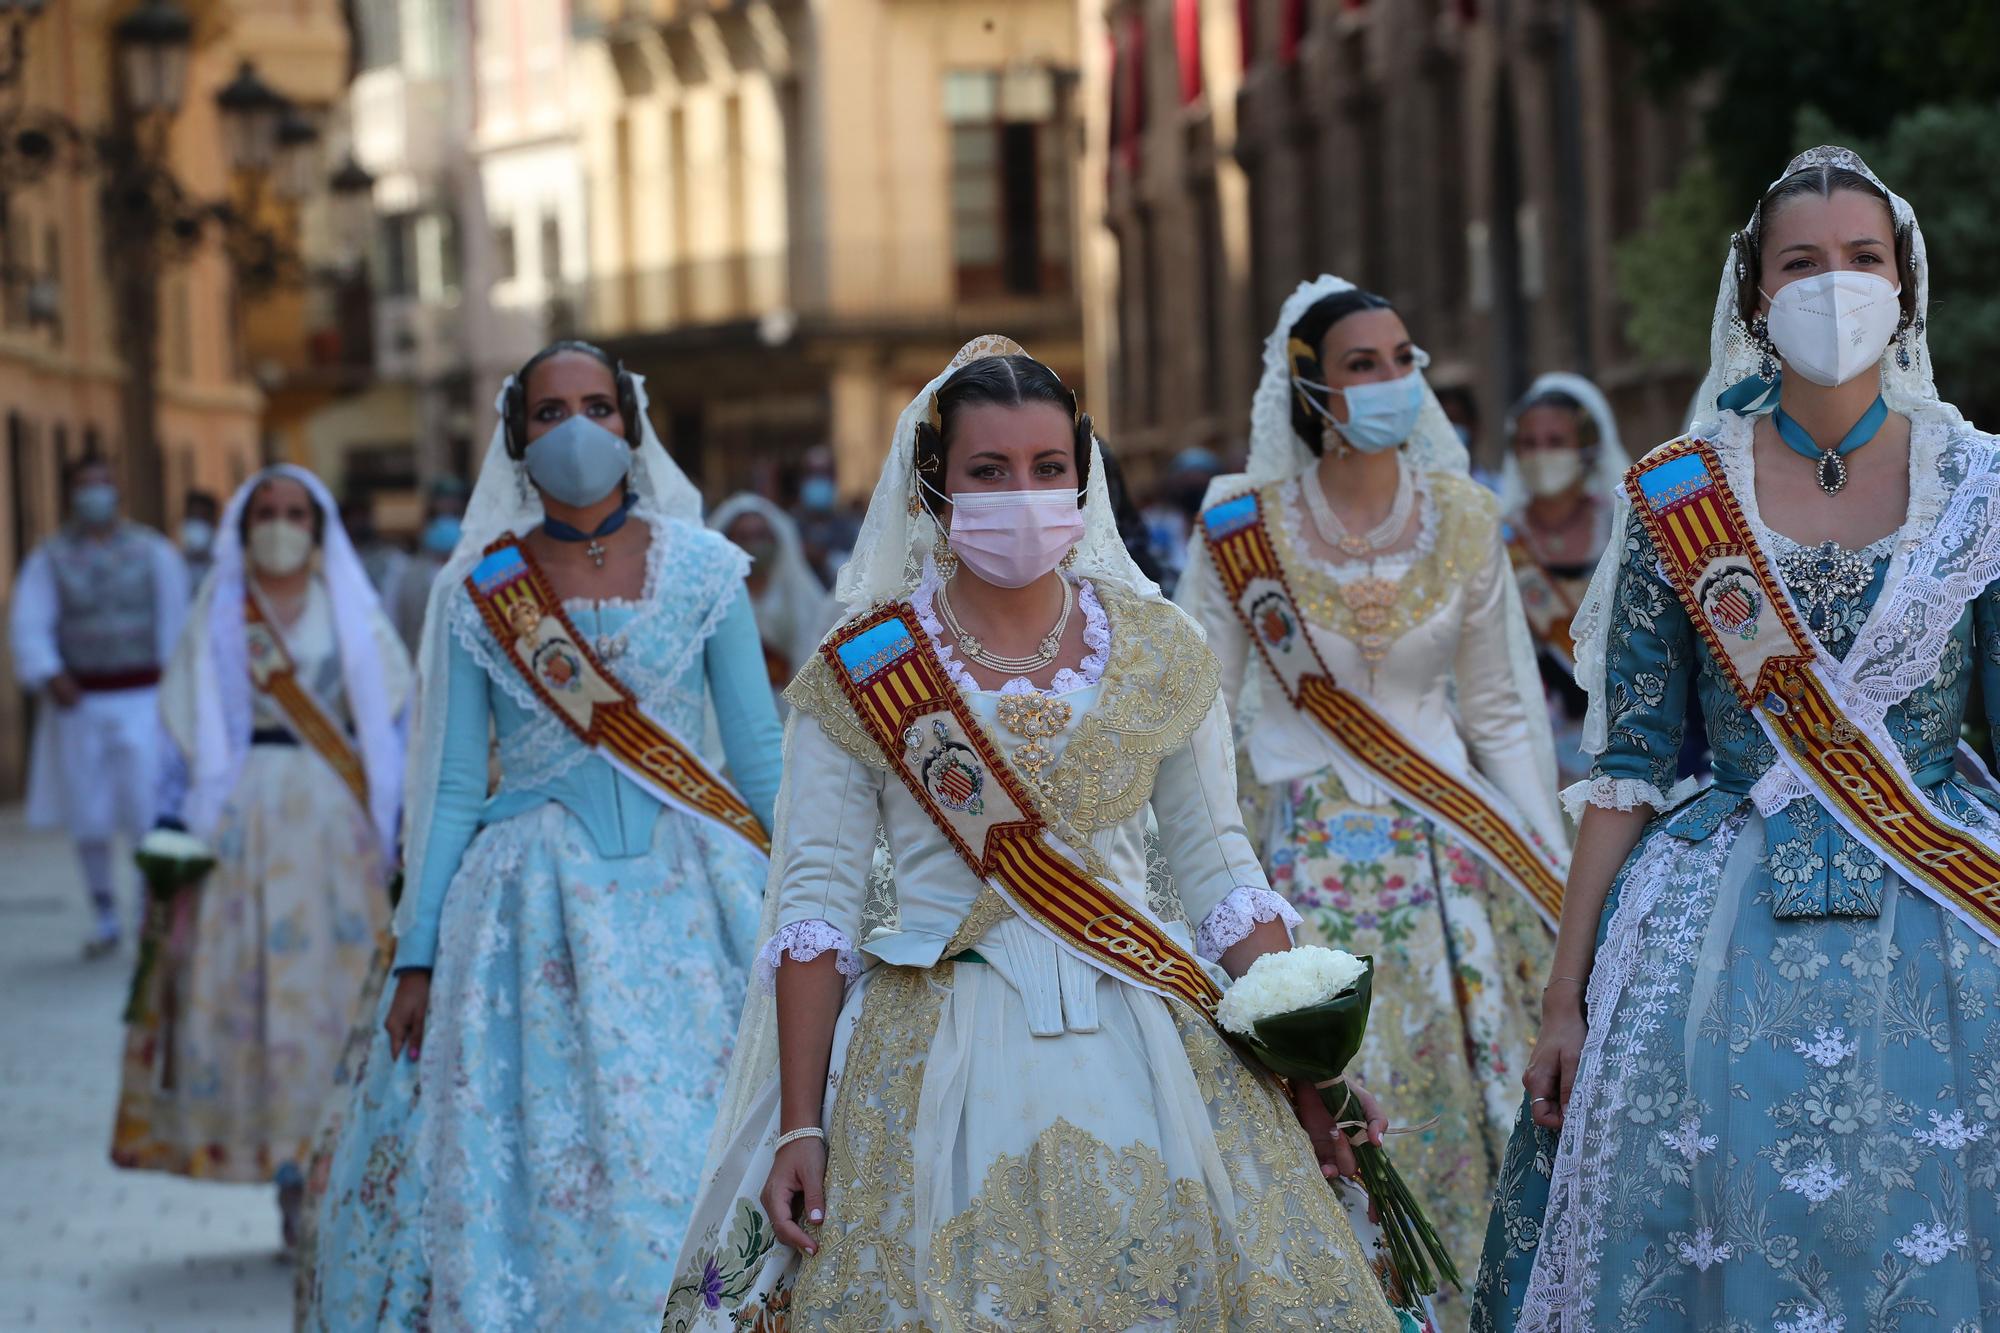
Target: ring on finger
x: 1535, y: 1100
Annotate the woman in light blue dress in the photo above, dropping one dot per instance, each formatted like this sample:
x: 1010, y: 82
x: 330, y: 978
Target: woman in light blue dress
x: 522, y: 1148
x: 1782, y: 1111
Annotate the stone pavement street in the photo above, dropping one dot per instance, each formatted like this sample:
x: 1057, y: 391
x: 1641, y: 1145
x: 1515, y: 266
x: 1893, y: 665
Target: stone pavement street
x: 82, y: 1245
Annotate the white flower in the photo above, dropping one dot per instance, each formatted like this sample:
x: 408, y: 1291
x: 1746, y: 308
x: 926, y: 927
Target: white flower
x: 173, y: 845
x: 1703, y: 1251
x: 1688, y: 1140
x: 1818, y: 1182
x: 1827, y: 1048
x: 1930, y: 1244
x: 1292, y: 979
x: 1811, y: 1319
x: 1952, y: 1134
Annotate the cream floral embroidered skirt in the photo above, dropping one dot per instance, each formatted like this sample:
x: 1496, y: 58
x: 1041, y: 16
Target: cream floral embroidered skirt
x: 982, y: 1178
x: 1460, y: 960
x: 247, y: 986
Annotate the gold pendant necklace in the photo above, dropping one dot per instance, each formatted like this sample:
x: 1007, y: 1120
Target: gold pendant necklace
x: 974, y: 650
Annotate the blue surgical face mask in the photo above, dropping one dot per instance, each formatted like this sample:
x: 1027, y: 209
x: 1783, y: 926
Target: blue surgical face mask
x: 441, y: 534
x: 96, y: 503
x: 579, y: 462
x: 817, y: 493
x: 1380, y: 414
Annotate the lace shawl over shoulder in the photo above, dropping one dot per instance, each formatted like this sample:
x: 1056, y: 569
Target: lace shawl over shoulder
x: 692, y: 577
x: 1159, y: 682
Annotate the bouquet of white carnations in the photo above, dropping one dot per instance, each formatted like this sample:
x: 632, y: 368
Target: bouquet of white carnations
x: 1303, y: 1012
x: 172, y: 862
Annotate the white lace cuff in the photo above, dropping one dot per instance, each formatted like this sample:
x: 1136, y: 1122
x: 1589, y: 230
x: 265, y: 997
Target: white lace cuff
x: 1237, y: 915
x: 1609, y: 793
x: 803, y: 941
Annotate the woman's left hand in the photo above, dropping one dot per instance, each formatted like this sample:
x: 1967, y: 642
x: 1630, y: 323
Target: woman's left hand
x: 1330, y: 1144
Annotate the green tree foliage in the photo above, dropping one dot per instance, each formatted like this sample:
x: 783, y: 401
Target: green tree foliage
x: 1666, y: 273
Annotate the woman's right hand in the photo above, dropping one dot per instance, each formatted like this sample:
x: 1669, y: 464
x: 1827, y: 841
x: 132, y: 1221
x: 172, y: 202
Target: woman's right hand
x: 405, y: 1023
x: 795, y: 1195
x: 1552, y: 1068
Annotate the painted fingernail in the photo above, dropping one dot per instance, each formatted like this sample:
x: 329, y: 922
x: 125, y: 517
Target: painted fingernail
x: 813, y: 1216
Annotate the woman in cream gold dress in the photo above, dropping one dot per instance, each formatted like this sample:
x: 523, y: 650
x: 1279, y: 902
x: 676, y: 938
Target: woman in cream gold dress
x: 1359, y: 521
x: 958, y: 1112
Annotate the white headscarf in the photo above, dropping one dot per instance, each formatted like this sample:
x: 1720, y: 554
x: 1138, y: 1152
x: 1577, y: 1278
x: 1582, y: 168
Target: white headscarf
x: 889, y: 553
x: 1734, y: 356
x: 1610, y: 462
x: 207, y: 698
x: 504, y: 502
x: 795, y: 609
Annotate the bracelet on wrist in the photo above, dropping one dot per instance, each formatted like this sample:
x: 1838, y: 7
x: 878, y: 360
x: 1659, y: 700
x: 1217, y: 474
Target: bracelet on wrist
x: 1581, y: 984
x: 803, y: 1132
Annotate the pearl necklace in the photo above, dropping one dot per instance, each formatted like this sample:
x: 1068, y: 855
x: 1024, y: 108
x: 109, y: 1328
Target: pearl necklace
x: 1371, y: 543
x: 1009, y: 666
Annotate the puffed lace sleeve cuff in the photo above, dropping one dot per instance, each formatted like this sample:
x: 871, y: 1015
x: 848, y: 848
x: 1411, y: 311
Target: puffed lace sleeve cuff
x: 803, y: 941
x: 1609, y: 793
x: 1237, y: 915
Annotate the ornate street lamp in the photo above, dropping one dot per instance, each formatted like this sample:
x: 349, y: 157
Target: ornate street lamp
x: 153, y: 43
x: 353, y: 191
x: 298, y: 158
x: 251, y: 113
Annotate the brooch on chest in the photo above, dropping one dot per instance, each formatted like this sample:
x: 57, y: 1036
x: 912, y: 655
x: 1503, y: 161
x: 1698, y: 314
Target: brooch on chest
x: 1036, y: 719
x: 1822, y: 575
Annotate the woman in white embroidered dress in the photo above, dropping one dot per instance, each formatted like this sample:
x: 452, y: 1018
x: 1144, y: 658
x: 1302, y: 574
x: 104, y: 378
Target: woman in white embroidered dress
x: 247, y: 982
x: 1781, y: 1111
x: 981, y: 1129
x: 1393, y: 554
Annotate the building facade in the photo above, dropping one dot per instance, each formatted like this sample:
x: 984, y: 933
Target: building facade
x: 63, y: 371
x: 799, y: 209
x: 1476, y: 161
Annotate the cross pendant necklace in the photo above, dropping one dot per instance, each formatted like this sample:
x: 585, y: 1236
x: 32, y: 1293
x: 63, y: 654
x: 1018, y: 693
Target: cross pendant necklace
x: 596, y: 550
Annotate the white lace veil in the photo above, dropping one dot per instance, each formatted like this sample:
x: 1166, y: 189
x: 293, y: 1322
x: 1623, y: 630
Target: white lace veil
x: 214, y: 725
x: 503, y: 501
x: 890, y: 551
x: 888, y: 560
x: 1276, y: 451
x: 1607, y: 466
x: 795, y: 608
x: 1734, y: 357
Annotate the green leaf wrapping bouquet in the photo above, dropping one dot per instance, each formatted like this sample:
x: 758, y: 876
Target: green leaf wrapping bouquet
x: 172, y: 863
x: 1303, y: 1013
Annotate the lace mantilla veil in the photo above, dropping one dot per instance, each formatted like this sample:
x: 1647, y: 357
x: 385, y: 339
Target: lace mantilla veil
x: 1955, y: 496
x: 1607, y: 467
x: 503, y: 501
x: 1277, y: 454
x: 888, y: 561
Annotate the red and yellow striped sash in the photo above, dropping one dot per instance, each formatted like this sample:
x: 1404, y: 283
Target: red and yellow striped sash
x: 527, y: 620
x: 909, y: 707
x: 273, y: 673
x: 1550, y: 611
x: 1716, y: 567
x: 1254, y: 578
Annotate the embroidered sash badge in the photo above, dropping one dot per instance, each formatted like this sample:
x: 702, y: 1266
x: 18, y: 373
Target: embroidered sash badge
x: 526, y: 619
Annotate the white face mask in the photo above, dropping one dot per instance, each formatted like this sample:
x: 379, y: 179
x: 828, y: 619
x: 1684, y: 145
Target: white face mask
x: 197, y: 535
x: 1012, y: 538
x: 1547, y: 472
x: 1832, y: 326
x: 279, y: 546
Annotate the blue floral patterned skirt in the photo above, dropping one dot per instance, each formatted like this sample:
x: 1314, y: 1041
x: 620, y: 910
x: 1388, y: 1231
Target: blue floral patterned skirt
x: 535, y: 1168
x: 1785, y: 1124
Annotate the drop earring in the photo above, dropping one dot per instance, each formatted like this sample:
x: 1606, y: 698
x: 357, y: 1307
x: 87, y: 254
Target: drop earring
x: 944, y: 558
x: 1760, y: 333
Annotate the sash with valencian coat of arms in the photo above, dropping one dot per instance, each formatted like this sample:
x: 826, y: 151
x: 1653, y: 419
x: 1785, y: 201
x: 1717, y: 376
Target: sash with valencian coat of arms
x: 520, y: 608
x: 1722, y: 576
x: 906, y: 702
x: 275, y: 677
x: 1253, y: 576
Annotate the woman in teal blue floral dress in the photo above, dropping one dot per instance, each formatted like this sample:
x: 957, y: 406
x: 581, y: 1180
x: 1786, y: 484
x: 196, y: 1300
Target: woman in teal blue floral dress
x: 1767, y: 1090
